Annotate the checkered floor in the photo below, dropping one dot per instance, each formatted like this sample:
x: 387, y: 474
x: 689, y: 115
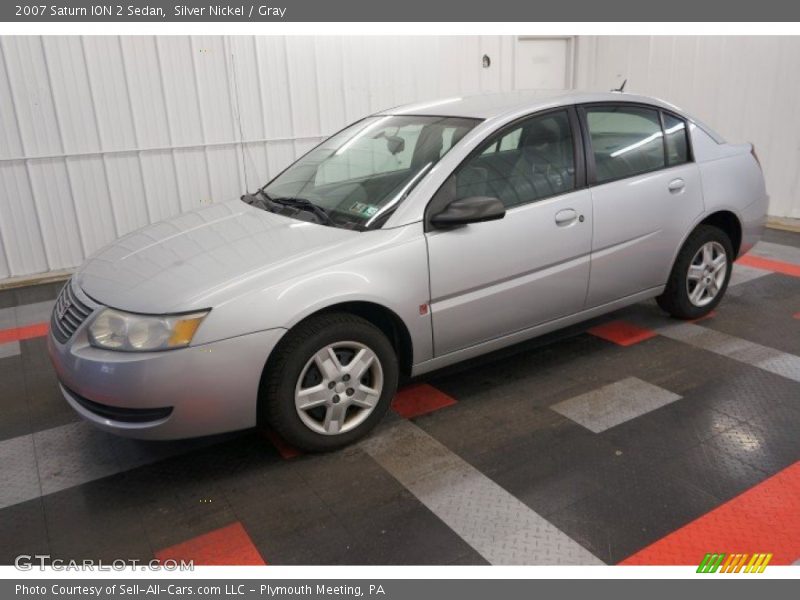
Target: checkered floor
x: 633, y: 438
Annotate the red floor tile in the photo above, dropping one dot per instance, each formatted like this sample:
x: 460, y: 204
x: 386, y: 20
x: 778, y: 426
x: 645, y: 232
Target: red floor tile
x: 229, y: 545
x: 622, y: 333
x: 283, y: 447
x: 796, y: 315
x: 769, y: 264
x: 23, y: 333
x: 765, y: 518
x: 419, y: 399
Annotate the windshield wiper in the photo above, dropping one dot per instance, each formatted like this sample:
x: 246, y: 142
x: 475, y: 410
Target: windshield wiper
x: 259, y: 199
x: 307, y: 205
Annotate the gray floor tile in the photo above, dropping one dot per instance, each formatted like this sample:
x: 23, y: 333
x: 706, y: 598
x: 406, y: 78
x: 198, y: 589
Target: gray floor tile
x: 615, y: 403
x: 775, y: 251
x: 743, y: 274
x: 9, y: 349
x: 20, y: 477
x: 73, y: 454
x: 495, y: 523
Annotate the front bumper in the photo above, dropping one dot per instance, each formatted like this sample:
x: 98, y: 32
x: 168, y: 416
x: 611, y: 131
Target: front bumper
x: 207, y: 389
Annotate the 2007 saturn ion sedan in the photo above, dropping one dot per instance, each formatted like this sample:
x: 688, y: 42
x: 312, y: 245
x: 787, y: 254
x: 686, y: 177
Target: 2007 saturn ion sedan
x: 410, y: 240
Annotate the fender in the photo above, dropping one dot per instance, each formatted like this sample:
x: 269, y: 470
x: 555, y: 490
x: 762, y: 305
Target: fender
x: 361, y: 277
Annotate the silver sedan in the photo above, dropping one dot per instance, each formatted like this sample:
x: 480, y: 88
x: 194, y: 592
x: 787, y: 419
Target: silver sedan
x: 415, y: 238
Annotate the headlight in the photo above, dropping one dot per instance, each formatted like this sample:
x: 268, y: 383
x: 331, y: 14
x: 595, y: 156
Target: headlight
x: 117, y: 330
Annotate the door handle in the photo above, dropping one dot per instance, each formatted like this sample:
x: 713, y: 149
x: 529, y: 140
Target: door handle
x: 676, y: 185
x: 565, y: 217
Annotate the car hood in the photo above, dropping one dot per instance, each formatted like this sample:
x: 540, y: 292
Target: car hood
x: 202, y: 257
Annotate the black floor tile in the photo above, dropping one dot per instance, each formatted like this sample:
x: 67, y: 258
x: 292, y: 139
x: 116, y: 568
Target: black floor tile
x: 402, y: 532
x: 626, y: 516
x: 670, y: 430
x: 715, y: 471
x: 546, y: 487
x: 761, y: 311
x: 469, y: 559
x: 188, y: 495
x: 769, y: 450
x: 46, y: 405
x: 15, y: 419
x: 752, y: 395
x: 99, y: 520
x: 23, y: 531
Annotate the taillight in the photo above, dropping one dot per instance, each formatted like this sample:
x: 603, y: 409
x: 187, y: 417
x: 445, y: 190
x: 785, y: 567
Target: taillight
x: 753, y: 152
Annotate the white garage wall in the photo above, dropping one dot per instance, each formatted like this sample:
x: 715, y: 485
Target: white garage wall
x: 102, y: 135
x: 746, y: 88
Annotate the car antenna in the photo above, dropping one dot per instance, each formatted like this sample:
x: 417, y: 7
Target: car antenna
x: 620, y: 88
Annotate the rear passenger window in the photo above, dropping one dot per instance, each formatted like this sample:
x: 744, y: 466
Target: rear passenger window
x: 626, y: 141
x: 675, y: 133
x: 526, y: 163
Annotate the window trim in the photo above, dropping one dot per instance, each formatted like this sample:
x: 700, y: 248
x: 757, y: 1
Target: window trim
x: 591, y: 172
x: 578, y: 156
x: 687, y: 137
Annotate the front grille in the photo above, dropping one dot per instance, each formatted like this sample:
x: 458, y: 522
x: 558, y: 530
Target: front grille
x: 123, y: 415
x: 69, y: 313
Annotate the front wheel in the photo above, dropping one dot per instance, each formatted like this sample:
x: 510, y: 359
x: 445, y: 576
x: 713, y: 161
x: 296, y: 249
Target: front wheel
x: 700, y: 274
x: 332, y: 380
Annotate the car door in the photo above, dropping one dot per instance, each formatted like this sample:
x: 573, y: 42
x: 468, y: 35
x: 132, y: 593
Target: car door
x: 646, y: 194
x: 495, y: 278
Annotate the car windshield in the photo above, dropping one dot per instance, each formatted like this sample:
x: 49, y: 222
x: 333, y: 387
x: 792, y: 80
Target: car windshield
x: 358, y: 176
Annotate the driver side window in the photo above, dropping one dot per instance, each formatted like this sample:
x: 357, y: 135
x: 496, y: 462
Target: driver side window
x: 531, y: 161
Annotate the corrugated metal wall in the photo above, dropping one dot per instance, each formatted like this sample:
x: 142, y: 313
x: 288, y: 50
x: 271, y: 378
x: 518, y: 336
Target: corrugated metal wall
x: 101, y: 135
x: 747, y: 88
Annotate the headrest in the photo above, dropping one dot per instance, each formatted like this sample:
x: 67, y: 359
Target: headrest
x: 540, y: 132
x: 458, y: 134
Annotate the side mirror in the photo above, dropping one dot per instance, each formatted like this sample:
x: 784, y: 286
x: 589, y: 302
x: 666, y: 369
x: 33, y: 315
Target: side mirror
x: 474, y: 209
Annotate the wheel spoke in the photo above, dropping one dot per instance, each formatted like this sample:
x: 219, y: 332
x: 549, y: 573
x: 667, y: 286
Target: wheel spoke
x: 712, y: 288
x: 361, y: 363
x: 313, y: 396
x: 334, y: 418
x: 708, y: 255
x: 328, y: 363
x: 366, y: 397
x: 697, y: 293
x: 719, y: 263
x: 695, y: 272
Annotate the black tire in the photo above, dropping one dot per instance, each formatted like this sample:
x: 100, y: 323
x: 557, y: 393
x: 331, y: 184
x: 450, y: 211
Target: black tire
x: 675, y: 299
x: 277, y: 396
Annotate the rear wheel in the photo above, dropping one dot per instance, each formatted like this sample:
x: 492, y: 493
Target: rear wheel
x: 700, y: 274
x: 332, y: 380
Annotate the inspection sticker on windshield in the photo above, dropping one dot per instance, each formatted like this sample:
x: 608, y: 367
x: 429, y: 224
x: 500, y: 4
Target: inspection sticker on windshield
x: 360, y: 208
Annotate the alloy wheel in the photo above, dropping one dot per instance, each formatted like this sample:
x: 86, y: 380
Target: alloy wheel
x: 706, y: 275
x: 338, y: 388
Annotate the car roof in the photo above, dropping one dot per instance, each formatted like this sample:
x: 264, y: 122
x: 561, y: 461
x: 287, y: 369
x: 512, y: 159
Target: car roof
x: 489, y: 106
